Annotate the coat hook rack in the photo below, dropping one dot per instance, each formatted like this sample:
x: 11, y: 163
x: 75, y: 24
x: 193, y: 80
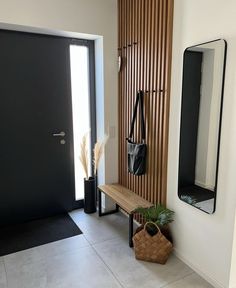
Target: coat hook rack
x: 128, y: 45
x: 148, y: 91
x: 153, y: 91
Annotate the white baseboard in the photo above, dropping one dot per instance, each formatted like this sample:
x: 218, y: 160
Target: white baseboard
x: 198, y: 270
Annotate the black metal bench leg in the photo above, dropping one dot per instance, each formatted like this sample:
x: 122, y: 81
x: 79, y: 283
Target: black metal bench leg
x: 131, y: 218
x: 100, y: 213
x: 99, y: 203
x: 117, y: 208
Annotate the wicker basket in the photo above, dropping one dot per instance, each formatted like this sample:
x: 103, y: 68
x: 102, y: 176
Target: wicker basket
x: 151, y: 248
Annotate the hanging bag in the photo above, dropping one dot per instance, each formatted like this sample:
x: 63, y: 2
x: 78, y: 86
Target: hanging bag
x: 137, y: 151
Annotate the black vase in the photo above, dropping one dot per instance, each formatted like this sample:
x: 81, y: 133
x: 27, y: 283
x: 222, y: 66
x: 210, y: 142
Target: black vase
x: 90, y: 195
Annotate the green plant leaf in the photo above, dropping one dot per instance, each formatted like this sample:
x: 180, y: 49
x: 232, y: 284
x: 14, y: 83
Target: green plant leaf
x: 158, y: 214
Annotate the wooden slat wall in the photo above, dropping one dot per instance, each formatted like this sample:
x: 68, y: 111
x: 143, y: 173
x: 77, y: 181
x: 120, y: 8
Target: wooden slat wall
x: 145, y: 41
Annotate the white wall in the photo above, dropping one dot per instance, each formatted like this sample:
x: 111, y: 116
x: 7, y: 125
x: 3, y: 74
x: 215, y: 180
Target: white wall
x: 209, y: 113
x: 95, y: 17
x: 215, y: 112
x: 204, y: 121
x: 201, y: 240
x: 233, y: 262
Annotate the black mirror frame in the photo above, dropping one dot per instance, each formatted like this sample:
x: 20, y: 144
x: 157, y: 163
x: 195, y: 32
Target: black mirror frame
x: 220, y: 121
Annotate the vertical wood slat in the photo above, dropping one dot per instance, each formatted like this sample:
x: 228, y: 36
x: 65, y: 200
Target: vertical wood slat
x: 169, y: 29
x: 155, y: 106
x: 149, y: 94
x: 128, y: 74
x: 163, y: 66
x: 119, y: 84
x: 133, y: 64
x: 124, y: 90
x: 161, y: 24
x: 153, y: 96
x: 145, y: 40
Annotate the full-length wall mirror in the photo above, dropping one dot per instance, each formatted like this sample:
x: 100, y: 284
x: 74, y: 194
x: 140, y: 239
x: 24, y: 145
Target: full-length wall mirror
x: 202, y: 95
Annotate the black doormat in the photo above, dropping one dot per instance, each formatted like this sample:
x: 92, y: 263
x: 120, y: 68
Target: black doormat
x: 38, y: 232
x: 198, y: 193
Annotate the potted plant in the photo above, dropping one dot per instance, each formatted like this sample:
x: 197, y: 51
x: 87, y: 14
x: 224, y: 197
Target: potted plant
x: 90, y: 205
x: 161, y: 216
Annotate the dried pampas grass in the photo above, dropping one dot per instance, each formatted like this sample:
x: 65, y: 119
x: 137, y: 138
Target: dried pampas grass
x: 84, y: 154
x: 97, y: 153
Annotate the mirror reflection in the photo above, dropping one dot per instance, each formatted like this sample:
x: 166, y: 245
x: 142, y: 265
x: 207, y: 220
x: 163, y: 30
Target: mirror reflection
x: 202, y: 91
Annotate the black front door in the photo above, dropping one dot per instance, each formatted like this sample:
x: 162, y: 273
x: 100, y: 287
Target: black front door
x: 36, y: 142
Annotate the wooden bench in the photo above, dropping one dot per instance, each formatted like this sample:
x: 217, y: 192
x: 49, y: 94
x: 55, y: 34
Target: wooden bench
x: 125, y: 199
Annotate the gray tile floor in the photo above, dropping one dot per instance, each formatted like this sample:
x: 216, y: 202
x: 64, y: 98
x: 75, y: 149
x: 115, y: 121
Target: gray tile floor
x: 99, y: 258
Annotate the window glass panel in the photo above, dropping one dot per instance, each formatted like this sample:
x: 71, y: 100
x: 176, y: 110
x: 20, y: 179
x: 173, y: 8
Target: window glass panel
x: 79, y: 61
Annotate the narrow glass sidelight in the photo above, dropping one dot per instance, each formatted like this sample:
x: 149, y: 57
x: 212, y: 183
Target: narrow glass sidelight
x: 79, y: 63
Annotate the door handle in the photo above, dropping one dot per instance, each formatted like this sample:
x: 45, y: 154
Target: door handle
x: 61, y: 134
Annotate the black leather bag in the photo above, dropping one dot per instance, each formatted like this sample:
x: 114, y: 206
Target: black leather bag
x: 137, y: 151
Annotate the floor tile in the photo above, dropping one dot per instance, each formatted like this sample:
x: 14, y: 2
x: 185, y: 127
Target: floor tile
x: 191, y: 281
x: 24, y: 257
x: 63, y: 246
x: 38, y: 253
x: 26, y: 269
x: 28, y: 275
x: 81, y: 269
x: 72, y: 269
x: 98, y: 229
x: 3, y: 278
x: 133, y: 273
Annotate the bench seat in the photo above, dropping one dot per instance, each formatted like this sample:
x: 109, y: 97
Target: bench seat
x: 125, y: 199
